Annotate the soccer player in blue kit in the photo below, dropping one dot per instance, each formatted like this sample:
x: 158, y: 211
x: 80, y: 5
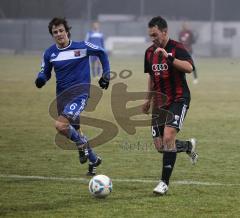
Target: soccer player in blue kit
x: 70, y: 61
x: 95, y: 37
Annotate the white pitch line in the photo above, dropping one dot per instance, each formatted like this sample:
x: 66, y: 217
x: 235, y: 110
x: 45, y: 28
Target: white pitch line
x: 12, y: 176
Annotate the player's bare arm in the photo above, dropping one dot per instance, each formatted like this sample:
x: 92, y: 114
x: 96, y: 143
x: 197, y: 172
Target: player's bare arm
x: 147, y: 100
x: 181, y: 65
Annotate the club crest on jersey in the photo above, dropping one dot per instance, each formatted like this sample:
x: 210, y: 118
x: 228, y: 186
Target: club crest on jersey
x: 77, y: 53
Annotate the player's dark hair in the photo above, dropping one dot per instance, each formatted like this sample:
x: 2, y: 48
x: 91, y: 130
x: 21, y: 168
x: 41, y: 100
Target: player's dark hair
x: 159, y: 22
x: 56, y: 21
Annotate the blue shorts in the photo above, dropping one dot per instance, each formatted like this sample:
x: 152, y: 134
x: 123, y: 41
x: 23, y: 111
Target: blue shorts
x: 73, y: 109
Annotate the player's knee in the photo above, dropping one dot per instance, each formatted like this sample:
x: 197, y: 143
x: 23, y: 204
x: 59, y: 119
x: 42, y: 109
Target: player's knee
x: 169, y: 143
x: 169, y: 136
x: 169, y: 146
x: 60, y: 126
x: 167, y: 140
x: 158, y: 144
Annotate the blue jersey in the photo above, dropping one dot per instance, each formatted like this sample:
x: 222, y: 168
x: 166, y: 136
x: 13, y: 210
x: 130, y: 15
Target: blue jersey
x: 95, y: 38
x: 71, y: 64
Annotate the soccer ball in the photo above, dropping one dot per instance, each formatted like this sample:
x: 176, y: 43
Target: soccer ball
x: 100, y: 186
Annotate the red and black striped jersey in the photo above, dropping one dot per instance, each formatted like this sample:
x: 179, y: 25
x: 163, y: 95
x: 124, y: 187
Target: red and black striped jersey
x: 187, y: 38
x: 168, y: 80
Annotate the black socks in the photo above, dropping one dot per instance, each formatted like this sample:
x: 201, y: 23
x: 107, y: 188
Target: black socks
x: 169, y: 159
x: 183, y: 146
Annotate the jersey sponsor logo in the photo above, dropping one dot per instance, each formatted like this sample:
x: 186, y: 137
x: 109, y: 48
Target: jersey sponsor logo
x: 157, y: 73
x: 159, y: 67
x: 69, y: 55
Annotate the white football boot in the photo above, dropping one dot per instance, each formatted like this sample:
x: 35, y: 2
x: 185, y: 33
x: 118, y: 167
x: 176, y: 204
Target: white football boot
x: 161, y: 188
x: 193, y: 155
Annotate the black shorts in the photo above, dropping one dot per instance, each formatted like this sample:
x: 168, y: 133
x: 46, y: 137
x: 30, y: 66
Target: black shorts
x: 172, y: 116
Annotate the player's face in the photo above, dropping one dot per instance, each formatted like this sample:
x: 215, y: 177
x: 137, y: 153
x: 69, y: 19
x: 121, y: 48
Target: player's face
x: 60, y: 35
x: 158, y: 37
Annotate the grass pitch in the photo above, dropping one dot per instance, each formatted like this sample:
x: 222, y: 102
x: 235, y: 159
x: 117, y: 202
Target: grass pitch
x: 39, y: 179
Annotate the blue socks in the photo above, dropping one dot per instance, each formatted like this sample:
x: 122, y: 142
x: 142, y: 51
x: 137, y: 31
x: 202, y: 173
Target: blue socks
x: 74, y: 135
x: 79, y: 139
x: 91, y: 155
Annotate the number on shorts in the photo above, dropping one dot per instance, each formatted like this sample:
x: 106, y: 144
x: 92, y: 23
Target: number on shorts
x: 154, y: 133
x: 73, y: 106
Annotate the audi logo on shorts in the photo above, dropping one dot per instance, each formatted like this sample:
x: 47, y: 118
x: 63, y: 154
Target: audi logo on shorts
x: 159, y: 67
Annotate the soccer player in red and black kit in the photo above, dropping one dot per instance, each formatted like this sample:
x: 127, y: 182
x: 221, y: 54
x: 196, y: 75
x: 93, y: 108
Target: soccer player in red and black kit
x: 166, y: 63
x: 187, y: 38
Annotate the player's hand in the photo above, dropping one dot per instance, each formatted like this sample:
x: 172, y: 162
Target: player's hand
x: 103, y: 83
x: 162, y: 50
x: 146, y: 106
x: 40, y: 82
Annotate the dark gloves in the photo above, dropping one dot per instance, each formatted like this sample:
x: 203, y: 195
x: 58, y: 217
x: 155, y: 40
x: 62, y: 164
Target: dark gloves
x: 103, y: 83
x: 40, y: 82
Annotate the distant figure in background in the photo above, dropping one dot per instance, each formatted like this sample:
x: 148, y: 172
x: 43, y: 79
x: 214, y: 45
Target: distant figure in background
x: 187, y: 38
x: 95, y: 37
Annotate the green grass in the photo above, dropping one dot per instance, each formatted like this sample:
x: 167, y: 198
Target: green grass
x: 27, y: 148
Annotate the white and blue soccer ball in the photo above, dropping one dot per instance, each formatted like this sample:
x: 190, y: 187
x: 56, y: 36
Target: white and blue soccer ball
x: 100, y: 186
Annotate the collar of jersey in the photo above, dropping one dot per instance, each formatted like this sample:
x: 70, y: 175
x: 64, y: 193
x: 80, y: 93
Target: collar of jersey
x: 65, y: 47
